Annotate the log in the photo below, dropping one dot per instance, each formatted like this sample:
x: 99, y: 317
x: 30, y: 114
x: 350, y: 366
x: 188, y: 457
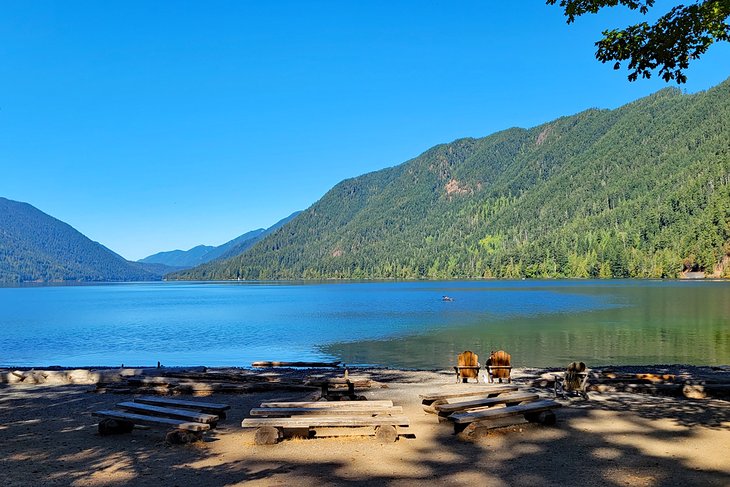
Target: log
x: 109, y: 426
x: 328, y: 421
x: 480, y: 429
x: 471, y: 391
x: 150, y: 420
x: 185, y: 414
x: 285, y: 412
x: 485, y: 402
x: 495, y: 413
x: 267, y: 435
x: 206, y: 407
x: 182, y: 437
x: 386, y: 433
x: 542, y: 417
x: 328, y: 405
x: 295, y: 364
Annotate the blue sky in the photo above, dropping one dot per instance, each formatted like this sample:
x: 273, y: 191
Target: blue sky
x: 153, y: 126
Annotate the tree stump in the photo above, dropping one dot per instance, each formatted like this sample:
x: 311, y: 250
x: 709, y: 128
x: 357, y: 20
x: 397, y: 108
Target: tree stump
x: 386, y: 433
x: 267, y: 435
x: 109, y: 426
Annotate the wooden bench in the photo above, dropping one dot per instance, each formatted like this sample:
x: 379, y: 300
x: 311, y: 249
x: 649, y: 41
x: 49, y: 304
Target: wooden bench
x: 512, y: 399
x: 329, y: 404
x: 188, y: 419
x: 273, y: 423
x: 183, y: 414
x: 430, y: 401
x: 495, y: 417
x: 205, y: 407
x: 150, y: 420
x: 310, y: 411
x: 117, y: 422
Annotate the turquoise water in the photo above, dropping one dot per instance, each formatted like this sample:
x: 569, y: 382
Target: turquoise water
x: 396, y: 324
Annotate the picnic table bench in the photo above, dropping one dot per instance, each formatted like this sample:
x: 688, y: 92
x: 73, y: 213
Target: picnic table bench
x: 276, y: 420
x: 496, y: 417
x: 431, y: 400
x: 189, y: 419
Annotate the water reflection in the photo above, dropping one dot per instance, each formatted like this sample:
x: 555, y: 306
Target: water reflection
x: 633, y: 322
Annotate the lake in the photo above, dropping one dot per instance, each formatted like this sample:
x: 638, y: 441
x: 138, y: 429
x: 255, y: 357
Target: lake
x: 395, y: 324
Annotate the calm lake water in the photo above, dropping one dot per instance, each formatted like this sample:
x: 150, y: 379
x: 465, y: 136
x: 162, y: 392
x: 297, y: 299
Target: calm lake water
x: 396, y: 324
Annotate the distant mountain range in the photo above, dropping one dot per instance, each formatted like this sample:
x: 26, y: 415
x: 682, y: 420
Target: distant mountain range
x: 204, y: 253
x: 639, y: 191
x: 37, y: 247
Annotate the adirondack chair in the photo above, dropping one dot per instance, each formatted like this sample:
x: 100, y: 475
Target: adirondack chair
x: 499, y: 366
x: 574, y: 382
x: 467, y: 366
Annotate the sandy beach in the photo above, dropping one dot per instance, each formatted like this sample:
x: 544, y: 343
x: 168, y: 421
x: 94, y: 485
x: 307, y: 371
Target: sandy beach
x: 49, y: 437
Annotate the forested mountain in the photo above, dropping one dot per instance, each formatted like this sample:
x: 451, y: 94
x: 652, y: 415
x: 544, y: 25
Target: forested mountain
x: 639, y: 191
x: 37, y: 247
x: 205, y: 253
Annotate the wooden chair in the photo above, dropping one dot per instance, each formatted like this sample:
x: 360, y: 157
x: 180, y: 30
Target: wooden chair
x: 574, y: 382
x: 467, y: 366
x: 499, y: 366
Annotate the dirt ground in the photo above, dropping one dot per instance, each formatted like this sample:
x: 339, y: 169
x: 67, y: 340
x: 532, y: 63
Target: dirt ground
x: 48, y: 437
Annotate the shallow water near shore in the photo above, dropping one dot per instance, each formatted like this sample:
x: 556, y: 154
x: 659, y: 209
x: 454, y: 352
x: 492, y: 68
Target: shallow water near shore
x: 392, y: 324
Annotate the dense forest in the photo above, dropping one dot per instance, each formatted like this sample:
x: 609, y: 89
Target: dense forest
x: 37, y: 247
x: 639, y: 191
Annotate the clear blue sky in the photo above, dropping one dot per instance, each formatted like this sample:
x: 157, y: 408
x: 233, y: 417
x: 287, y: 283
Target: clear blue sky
x: 153, y: 126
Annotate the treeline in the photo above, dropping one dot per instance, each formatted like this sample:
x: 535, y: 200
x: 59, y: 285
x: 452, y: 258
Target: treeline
x: 640, y: 191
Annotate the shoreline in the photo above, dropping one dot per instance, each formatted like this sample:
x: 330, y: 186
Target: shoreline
x: 676, y: 379
x: 49, y: 437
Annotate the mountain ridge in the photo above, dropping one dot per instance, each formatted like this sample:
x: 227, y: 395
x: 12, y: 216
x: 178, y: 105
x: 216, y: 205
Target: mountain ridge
x: 637, y: 191
x: 202, y: 254
x: 36, y: 247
